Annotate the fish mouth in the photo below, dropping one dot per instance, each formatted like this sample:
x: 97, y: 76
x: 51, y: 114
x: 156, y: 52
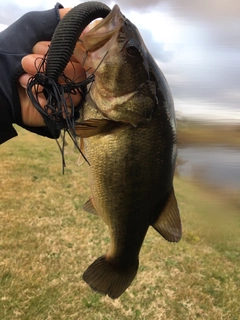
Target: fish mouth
x: 94, y: 38
x: 110, y: 50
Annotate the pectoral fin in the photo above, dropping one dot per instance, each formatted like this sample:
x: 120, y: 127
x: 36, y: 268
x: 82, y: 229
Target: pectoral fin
x: 168, y: 224
x: 92, y: 127
x: 89, y: 207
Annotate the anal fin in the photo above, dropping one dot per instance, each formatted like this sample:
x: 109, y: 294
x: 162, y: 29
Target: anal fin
x: 89, y: 207
x: 168, y: 224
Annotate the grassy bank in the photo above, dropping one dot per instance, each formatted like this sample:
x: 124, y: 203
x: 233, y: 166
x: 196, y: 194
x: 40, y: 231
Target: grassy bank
x: 47, y: 241
x: 208, y: 133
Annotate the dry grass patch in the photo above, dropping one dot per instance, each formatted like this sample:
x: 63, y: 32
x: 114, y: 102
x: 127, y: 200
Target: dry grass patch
x: 47, y: 242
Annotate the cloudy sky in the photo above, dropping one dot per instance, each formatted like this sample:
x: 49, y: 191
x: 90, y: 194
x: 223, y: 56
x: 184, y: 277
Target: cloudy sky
x: 195, y: 43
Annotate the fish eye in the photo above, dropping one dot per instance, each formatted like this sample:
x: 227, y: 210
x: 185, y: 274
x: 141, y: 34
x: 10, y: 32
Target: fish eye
x: 133, y: 48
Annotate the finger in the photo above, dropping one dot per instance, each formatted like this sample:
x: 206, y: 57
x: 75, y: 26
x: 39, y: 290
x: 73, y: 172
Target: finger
x: 41, y: 47
x: 23, y: 80
x: 74, y: 71
x: 63, y: 12
x: 30, y: 115
x: 31, y: 63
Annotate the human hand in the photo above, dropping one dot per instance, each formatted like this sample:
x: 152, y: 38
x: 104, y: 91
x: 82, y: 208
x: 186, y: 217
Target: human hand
x: 30, y: 115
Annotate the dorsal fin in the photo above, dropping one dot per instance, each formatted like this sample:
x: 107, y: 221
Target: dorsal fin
x: 168, y: 224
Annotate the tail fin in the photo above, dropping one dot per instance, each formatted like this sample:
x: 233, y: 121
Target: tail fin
x: 105, y: 278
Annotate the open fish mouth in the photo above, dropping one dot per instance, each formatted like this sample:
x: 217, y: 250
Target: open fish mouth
x: 96, y: 35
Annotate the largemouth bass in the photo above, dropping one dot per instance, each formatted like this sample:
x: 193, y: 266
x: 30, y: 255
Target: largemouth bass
x: 129, y: 136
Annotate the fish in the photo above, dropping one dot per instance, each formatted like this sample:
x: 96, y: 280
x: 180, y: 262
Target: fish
x: 128, y: 134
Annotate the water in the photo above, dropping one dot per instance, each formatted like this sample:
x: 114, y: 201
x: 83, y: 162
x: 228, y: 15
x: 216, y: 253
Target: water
x: 217, y: 166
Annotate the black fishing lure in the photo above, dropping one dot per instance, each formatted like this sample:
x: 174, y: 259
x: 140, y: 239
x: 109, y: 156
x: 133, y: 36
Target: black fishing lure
x: 59, y: 111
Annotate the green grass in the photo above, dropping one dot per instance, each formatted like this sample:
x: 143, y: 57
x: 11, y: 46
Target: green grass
x: 47, y: 241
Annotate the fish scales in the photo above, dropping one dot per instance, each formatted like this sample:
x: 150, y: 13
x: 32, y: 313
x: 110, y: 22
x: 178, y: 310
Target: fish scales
x: 131, y: 147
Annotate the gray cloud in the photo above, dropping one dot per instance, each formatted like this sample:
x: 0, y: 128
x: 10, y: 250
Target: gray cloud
x: 204, y: 10
x: 191, y: 10
x: 205, y: 66
x: 10, y: 11
x: 157, y: 49
x: 6, y: 17
x: 136, y: 5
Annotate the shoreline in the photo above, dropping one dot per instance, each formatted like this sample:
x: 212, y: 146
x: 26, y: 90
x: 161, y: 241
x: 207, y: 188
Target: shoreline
x: 196, y: 133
